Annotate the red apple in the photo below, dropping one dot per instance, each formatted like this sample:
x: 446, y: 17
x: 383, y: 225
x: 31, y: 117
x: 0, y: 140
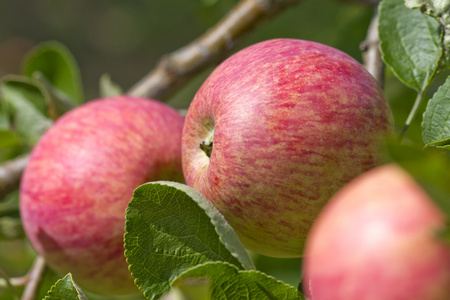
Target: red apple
x: 80, y: 178
x: 376, y: 239
x: 275, y: 131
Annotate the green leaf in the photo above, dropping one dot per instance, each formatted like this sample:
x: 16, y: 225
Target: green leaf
x: 108, y: 88
x: 26, y: 101
x: 436, y: 119
x: 65, y: 289
x: 57, y: 64
x: 170, y: 228
x: 440, y: 10
x: 226, y: 281
x: 410, y: 43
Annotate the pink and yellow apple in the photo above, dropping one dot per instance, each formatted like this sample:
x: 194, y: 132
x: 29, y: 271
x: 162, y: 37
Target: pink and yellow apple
x: 275, y: 131
x: 377, y: 239
x: 80, y: 178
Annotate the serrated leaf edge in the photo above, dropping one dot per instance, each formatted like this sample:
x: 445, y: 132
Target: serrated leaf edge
x: 81, y: 296
x: 419, y: 86
x: 173, y: 283
x: 438, y: 143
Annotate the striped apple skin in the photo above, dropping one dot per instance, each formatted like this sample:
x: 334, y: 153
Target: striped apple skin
x: 377, y: 239
x: 80, y: 178
x: 292, y: 122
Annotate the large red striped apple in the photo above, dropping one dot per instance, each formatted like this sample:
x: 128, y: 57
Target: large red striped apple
x: 275, y: 131
x: 80, y: 178
x: 377, y: 239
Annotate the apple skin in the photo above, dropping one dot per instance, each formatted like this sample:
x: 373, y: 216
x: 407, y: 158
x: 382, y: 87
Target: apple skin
x: 80, y: 178
x: 376, y: 239
x: 291, y: 122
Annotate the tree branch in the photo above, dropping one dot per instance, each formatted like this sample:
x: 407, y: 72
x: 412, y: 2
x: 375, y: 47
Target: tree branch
x: 211, y: 47
x: 371, y: 51
x: 10, y: 174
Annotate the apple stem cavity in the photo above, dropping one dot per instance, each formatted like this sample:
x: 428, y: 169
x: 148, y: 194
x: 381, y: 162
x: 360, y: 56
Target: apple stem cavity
x: 207, y: 148
x: 207, y: 144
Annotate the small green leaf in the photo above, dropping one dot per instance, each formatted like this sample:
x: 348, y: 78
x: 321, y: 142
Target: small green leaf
x: 170, y: 228
x: 58, y: 65
x: 25, y: 99
x: 66, y: 289
x: 410, y: 43
x: 436, y: 119
x: 108, y: 88
x: 226, y: 281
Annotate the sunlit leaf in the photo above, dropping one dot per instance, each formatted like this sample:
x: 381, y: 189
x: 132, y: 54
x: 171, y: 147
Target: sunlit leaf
x: 225, y: 281
x: 170, y: 228
x: 66, y: 289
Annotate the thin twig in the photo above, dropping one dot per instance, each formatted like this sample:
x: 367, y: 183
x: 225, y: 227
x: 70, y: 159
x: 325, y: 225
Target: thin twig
x: 211, y: 47
x: 14, y: 281
x: 10, y: 174
x: 9, y: 284
x: 35, y: 277
x: 371, y: 51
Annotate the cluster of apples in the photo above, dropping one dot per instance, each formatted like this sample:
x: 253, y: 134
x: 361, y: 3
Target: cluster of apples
x: 271, y: 136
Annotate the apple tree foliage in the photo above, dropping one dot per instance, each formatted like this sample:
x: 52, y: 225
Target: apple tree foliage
x: 176, y: 241
x: 65, y: 288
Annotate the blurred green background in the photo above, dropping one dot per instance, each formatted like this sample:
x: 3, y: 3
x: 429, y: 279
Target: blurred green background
x: 125, y: 39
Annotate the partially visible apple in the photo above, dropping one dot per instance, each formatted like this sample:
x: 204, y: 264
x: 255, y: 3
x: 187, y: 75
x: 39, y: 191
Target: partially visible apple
x: 80, y: 178
x: 275, y: 131
x: 377, y: 239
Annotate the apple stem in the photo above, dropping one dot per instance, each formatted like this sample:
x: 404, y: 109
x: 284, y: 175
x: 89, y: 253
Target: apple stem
x: 415, y: 108
x: 207, y: 147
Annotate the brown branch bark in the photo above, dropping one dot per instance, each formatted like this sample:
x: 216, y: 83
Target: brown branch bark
x: 10, y: 174
x: 177, y: 66
x: 371, y: 51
